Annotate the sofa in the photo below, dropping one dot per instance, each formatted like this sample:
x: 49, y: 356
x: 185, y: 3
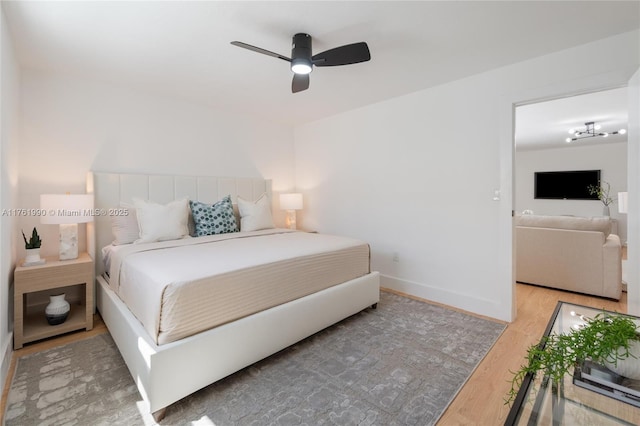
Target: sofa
x: 569, y: 253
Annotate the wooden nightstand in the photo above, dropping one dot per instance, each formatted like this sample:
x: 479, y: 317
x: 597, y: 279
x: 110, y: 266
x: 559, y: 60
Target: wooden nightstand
x: 29, y: 322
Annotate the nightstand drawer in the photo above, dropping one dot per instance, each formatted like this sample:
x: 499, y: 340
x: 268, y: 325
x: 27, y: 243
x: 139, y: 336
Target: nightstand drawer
x: 54, y: 273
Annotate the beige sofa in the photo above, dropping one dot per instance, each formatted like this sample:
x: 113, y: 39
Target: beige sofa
x: 569, y: 253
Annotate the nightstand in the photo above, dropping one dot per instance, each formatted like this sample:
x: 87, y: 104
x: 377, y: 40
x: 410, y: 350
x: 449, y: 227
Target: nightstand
x: 53, y: 277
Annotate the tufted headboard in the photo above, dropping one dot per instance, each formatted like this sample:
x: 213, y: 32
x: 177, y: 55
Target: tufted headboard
x: 110, y: 189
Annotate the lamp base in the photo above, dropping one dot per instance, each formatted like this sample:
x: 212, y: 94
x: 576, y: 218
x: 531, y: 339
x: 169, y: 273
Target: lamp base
x: 291, y: 219
x: 68, y: 241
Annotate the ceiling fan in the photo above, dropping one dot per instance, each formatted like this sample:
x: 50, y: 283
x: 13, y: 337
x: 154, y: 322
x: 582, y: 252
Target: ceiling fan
x: 302, y: 60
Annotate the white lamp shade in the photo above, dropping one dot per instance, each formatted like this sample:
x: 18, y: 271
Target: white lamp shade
x: 623, y: 202
x: 60, y: 209
x: 291, y: 201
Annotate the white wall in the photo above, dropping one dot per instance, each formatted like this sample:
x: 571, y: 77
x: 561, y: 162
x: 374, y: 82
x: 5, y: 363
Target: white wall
x: 416, y: 175
x: 9, y: 133
x: 610, y: 159
x: 72, y: 125
x: 633, y: 237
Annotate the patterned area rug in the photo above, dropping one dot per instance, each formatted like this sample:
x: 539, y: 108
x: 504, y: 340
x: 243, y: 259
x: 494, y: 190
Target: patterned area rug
x: 400, y: 364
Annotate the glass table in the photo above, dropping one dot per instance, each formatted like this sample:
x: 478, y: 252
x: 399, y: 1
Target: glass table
x: 572, y: 402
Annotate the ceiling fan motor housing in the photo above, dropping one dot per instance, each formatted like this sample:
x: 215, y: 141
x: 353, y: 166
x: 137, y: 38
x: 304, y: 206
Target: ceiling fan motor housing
x: 301, y: 54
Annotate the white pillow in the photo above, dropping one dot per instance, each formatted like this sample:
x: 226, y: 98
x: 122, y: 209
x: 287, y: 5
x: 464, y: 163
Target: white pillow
x: 159, y: 222
x: 255, y: 215
x: 125, y: 226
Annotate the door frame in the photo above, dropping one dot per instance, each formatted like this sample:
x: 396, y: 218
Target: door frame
x: 507, y: 105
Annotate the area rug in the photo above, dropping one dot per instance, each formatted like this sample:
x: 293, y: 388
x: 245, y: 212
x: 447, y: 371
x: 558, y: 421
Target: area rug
x: 400, y: 364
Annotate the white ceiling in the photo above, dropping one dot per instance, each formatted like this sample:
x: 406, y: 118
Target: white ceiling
x: 182, y: 49
x: 546, y: 125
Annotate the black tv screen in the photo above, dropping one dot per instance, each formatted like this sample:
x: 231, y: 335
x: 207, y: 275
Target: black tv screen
x: 566, y: 185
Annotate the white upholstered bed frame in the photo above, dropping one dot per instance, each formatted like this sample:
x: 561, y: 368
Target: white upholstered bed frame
x: 167, y: 373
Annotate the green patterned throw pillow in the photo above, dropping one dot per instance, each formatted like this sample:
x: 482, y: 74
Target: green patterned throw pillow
x: 215, y: 219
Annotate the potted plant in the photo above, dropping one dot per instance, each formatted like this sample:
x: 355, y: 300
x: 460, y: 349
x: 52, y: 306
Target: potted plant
x: 602, y: 192
x: 32, y: 245
x: 609, y: 339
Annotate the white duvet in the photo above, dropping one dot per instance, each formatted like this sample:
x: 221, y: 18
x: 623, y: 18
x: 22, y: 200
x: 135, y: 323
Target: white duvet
x: 178, y: 288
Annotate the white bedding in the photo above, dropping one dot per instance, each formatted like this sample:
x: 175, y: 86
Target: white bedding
x: 178, y: 288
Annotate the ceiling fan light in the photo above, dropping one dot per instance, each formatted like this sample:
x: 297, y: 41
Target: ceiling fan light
x: 572, y: 131
x: 622, y: 131
x: 300, y: 67
x: 597, y: 127
x: 568, y: 140
x: 605, y: 134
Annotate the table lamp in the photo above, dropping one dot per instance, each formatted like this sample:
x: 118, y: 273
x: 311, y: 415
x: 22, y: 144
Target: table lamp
x: 67, y: 210
x: 291, y: 203
x: 622, y: 202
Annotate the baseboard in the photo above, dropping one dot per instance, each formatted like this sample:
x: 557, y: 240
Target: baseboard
x: 466, y: 302
x: 7, y: 353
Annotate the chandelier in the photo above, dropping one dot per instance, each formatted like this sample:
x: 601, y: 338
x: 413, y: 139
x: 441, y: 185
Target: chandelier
x: 591, y: 131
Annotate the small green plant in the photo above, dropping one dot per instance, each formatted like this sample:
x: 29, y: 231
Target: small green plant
x: 603, y: 338
x: 33, y: 242
x: 602, y: 191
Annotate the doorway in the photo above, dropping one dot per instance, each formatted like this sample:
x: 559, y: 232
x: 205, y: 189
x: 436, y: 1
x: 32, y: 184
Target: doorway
x: 541, y: 133
x: 510, y: 102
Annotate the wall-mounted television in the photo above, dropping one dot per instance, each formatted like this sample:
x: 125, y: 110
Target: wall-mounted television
x: 566, y: 185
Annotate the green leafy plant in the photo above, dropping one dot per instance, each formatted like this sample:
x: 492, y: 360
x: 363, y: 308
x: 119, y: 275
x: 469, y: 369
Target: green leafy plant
x: 602, y: 191
x: 604, y: 338
x: 33, y: 242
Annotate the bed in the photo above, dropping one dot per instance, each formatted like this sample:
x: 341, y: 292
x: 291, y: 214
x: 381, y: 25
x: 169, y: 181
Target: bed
x: 169, y: 361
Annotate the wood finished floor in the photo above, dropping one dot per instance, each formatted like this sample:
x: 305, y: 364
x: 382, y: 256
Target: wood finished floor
x: 481, y: 400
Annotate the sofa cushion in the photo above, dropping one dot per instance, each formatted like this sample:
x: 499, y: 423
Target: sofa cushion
x: 598, y: 224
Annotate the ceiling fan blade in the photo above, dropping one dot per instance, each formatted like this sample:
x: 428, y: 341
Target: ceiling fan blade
x: 343, y: 55
x: 260, y: 50
x: 300, y: 82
